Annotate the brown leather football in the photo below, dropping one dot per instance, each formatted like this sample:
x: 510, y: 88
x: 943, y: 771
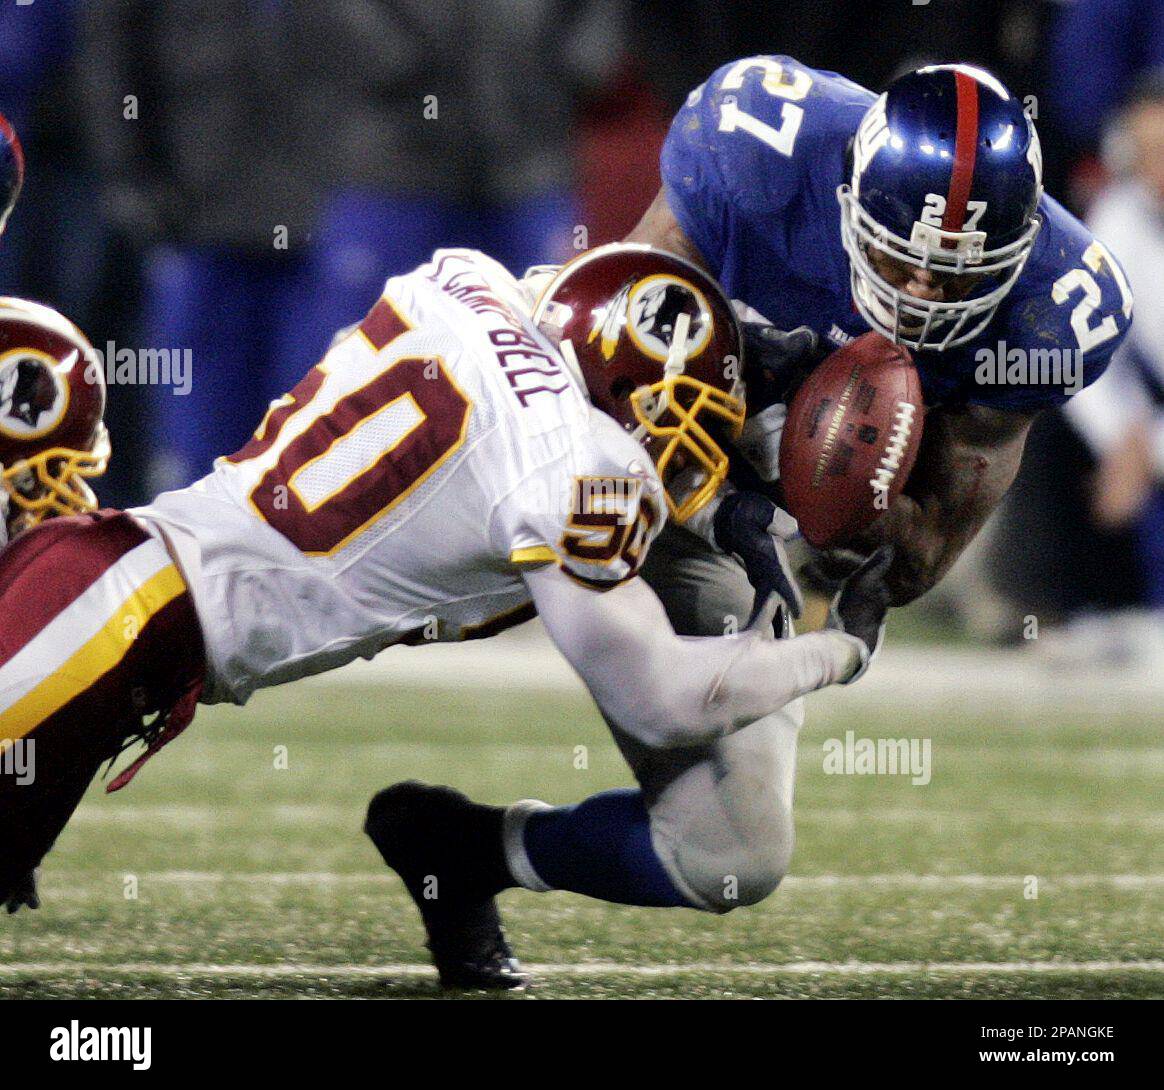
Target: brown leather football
x: 851, y: 439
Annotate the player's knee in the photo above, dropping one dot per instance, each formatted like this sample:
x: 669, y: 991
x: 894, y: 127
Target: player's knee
x: 737, y: 865
x: 760, y: 868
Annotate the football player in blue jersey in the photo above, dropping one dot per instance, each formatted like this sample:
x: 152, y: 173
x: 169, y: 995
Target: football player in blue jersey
x: 918, y: 213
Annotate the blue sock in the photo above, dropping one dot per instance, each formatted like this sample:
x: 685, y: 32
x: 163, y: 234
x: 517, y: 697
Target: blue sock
x: 602, y: 848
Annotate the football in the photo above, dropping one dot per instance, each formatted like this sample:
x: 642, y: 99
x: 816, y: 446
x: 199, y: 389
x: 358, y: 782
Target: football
x: 537, y: 503
x: 851, y: 439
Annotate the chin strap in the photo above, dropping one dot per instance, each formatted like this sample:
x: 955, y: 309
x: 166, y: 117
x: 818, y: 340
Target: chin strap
x: 160, y: 733
x: 570, y: 359
x: 535, y: 280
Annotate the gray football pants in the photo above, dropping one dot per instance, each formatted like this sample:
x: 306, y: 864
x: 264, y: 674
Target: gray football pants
x: 721, y: 815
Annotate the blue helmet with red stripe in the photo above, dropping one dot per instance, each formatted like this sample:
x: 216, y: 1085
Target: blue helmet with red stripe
x: 11, y: 169
x: 942, y: 197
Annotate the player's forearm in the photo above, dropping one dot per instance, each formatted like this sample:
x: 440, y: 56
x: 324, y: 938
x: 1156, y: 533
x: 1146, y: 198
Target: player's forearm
x: 769, y: 674
x: 703, y: 689
x: 926, y: 543
x: 968, y: 462
x: 666, y: 691
x: 928, y: 536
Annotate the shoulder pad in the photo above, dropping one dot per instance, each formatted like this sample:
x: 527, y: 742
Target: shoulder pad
x: 595, y: 514
x: 1069, y: 312
x: 749, y: 139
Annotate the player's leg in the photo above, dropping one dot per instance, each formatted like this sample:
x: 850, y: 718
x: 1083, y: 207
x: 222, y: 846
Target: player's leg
x: 721, y: 826
x: 714, y: 832
x: 448, y: 851
x: 709, y: 827
x: 99, y: 631
x: 455, y: 856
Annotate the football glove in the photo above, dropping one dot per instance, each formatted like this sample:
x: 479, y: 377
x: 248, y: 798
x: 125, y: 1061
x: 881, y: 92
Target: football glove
x: 824, y: 571
x: 754, y: 530
x: 776, y: 361
x: 860, y: 607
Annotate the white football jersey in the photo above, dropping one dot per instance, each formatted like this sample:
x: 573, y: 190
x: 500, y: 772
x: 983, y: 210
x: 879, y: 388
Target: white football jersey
x: 396, y: 493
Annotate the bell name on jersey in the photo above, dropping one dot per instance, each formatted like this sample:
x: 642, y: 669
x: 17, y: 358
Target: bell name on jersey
x: 396, y: 494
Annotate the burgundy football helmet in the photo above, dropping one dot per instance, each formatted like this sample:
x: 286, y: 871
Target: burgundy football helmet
x: 52, y: 401
x: 657, y: 345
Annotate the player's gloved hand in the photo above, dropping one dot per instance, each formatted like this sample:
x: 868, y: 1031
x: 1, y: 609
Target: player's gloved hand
x: 23, y: 893
x: 825, y: 570
x: 776, y: 361
x: 786, y: 355
x: 753, y: 529
x: 860, y: 607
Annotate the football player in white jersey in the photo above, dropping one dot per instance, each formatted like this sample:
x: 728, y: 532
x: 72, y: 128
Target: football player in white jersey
x: 710, y: 825
x: 454, y: 462
x: 53, y: 442
x: 52, y: 405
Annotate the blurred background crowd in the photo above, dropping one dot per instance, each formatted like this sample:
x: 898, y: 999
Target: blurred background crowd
x: 238, y: 178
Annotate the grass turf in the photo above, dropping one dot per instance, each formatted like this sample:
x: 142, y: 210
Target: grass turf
x: 219, y: 874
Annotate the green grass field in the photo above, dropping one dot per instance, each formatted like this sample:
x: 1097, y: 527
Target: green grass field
x: 255, y: 881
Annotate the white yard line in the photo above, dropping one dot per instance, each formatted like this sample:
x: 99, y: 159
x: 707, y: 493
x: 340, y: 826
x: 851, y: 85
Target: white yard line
x: 117, y: 812
x: 582, y: 969
x: 805, y: 882
x: 972, y: 881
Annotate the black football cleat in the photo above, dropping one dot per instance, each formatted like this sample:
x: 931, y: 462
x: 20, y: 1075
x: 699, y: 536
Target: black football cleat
x: 448, y: 850
x: 473, y: 954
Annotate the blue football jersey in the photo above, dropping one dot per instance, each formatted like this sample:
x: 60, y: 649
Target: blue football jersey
x: 751, y: 168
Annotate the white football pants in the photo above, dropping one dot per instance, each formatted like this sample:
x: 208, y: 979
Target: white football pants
x: 721, y: 815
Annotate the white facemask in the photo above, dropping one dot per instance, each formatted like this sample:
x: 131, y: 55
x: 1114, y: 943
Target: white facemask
x: 923, y: 323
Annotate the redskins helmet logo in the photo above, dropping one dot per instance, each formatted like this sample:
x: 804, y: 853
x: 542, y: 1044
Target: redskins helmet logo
x: 649, y: 309
x: 33, y: 398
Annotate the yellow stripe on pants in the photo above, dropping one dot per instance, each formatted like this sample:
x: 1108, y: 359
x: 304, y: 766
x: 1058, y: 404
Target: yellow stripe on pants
x: 96, y: 658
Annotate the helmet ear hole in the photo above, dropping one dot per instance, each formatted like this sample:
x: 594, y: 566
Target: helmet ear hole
x: 622, y: 388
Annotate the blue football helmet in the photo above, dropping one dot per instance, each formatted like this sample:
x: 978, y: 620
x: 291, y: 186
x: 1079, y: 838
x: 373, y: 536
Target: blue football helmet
x: 11, y: 169
x: 946, y: 175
